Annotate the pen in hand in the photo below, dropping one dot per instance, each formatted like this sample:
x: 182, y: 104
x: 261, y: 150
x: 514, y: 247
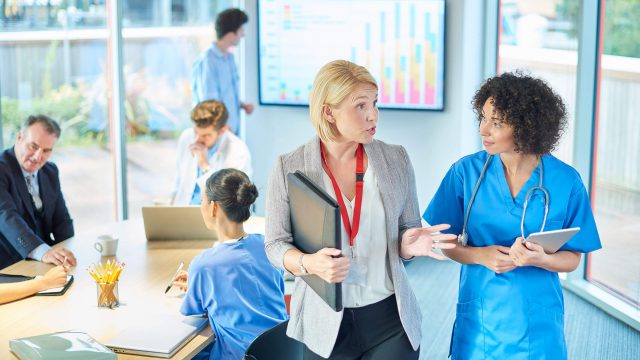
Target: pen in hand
x: 174, y: 277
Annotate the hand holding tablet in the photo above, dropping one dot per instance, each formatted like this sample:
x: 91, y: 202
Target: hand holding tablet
x: 553, y: 240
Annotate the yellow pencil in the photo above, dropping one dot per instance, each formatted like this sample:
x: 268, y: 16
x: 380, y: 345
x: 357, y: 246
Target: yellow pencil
x: 112, y: 274
x: 117, y: 275
x: 107, y: 273
x: 93, y: 275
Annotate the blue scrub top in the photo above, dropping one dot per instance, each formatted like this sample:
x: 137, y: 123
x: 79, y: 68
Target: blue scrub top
x: 239, y: 290
x: 518, y: 314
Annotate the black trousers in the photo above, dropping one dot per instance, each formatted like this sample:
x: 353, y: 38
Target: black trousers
x: 372, y: 332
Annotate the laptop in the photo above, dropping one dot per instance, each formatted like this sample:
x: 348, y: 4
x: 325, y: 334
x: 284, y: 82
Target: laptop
x: 175, y: 223
x: 156, y: 336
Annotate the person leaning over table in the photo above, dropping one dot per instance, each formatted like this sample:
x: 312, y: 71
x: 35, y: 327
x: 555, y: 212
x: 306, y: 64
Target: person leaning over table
x: 381, y: 318
x: 510, y: 303
x: 233, y: 282
x: 204, y: 149
x: 55, y: 277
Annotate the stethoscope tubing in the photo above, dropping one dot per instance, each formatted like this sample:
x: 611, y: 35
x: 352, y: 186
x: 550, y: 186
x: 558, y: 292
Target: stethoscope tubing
x: 463, y: 238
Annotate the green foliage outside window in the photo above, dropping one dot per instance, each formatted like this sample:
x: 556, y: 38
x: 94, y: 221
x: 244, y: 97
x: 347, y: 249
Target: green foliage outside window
x: 73, y: 106
x: 621, y: 25
x: 63, y: 104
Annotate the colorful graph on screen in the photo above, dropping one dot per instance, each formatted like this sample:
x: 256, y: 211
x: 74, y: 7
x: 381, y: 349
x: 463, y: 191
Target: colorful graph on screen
x: 400, y: 42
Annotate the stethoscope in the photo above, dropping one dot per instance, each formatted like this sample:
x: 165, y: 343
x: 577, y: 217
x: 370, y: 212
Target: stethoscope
x: 464, y: 237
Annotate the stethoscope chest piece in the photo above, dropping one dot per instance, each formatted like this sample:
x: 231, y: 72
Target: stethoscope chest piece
x: 463, y: 238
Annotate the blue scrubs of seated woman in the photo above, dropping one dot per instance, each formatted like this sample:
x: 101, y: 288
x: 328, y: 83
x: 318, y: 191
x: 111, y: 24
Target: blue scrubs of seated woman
x: 233, y: 282
x: 510, y: 303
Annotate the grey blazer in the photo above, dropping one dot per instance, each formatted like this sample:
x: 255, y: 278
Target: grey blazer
x: 313, y: 322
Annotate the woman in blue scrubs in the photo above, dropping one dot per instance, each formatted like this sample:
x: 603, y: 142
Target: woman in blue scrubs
x: 233, y: 282
x: 510, y: 303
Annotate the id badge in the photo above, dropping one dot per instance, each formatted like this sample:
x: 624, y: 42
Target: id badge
x: 357, y: 271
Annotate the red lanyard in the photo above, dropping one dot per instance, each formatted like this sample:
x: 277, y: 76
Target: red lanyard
x: 352, y: 230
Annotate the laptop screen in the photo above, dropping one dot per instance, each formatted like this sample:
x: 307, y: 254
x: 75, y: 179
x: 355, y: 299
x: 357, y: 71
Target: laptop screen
x: 175, y: 223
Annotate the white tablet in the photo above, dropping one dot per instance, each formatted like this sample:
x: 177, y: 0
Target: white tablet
x: 553, y: 240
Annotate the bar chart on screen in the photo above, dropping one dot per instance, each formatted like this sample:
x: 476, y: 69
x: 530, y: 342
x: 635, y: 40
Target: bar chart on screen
x: 400, y: 42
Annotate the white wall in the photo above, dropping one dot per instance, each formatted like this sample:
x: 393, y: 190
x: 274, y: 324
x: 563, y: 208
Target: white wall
x: 434, y: 140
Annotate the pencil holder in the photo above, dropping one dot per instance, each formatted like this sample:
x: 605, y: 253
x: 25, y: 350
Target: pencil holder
x: 108, y: 295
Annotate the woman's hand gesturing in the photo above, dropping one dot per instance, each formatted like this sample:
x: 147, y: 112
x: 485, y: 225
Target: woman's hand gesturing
x: 422, y: 242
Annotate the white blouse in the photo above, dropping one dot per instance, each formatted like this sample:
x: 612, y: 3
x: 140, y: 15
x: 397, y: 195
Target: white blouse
x: 370, y: 243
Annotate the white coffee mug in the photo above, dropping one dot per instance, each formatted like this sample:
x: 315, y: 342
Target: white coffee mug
x: 106, y: 245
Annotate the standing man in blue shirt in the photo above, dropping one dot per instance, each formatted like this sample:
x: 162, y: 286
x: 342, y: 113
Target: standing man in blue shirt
x: 215, y: 75
x: 33, y: 213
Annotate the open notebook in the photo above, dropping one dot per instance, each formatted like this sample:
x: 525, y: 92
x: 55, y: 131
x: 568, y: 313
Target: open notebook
x: 11, y: 278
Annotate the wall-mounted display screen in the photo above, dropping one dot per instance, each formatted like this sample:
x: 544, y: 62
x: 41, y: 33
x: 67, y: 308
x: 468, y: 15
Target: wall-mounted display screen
x: 400, y: 42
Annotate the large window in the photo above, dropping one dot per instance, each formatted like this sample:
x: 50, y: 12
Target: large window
x: 54, y: 61
x: 616, y: 188
x: 29, y: 15
x: 539, y: 37
x: 157, y: 72
x: 49, y: 68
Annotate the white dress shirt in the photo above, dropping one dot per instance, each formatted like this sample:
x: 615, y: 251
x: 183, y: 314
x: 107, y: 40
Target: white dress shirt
x: 370, y: 243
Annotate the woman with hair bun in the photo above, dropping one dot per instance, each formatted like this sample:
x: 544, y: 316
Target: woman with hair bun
x: 232, y: 282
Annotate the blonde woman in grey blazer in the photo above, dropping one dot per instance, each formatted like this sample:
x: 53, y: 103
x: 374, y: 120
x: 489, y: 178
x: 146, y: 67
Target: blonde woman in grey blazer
x: 381, y: 318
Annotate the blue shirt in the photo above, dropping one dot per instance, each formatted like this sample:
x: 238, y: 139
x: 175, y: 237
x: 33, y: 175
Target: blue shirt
x: 196, y: 198
x: 215, y: 77
x: 239, y: 290
x: 517, y: 314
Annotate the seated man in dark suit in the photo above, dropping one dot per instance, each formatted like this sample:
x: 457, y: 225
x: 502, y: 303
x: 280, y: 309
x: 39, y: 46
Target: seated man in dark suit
x: 33, y: 214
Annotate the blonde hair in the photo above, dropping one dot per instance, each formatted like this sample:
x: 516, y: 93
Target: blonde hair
x: 333, y: 83
x: 210, y: 112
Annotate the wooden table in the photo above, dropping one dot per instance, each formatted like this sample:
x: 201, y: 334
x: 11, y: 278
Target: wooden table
x: 149, y: 266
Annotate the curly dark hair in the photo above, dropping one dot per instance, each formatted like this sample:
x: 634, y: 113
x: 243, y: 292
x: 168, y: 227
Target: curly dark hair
x: 535, y: 112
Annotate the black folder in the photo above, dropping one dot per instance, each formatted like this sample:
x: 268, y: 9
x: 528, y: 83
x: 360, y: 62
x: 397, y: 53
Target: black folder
x: 315, y: 224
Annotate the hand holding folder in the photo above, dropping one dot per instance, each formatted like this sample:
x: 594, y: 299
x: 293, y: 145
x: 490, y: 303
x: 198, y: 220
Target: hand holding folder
x: 332, y: 266
x: 315, y: 225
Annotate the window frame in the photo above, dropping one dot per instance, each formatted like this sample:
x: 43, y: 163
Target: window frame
x: 590, y: 40
x: 585, y: 148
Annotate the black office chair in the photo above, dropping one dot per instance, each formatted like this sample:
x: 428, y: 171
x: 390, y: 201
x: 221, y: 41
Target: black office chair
x: 274, y: 344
